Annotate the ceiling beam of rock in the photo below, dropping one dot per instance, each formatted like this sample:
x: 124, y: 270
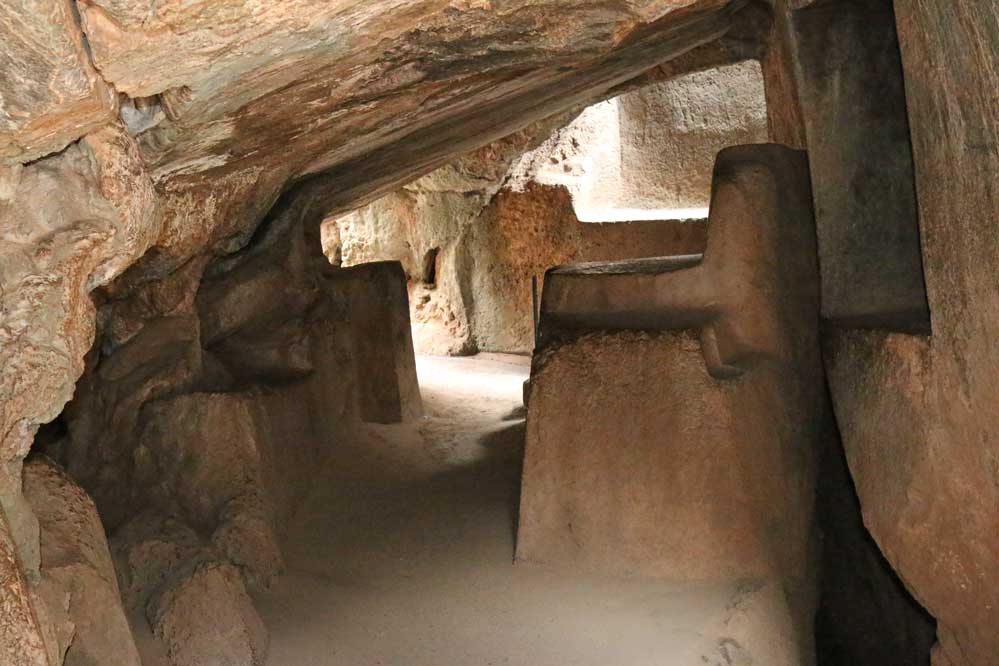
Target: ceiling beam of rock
x: 231, y: 100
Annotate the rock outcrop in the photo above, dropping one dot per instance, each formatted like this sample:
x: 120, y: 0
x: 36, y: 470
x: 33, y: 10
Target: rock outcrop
x: 206, y: 618
x: 78, y: 576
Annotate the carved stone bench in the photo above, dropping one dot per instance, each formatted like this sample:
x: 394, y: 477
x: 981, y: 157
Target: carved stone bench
x: 677, y: 403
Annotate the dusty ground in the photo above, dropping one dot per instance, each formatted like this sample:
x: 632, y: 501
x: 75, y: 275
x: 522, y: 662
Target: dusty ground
x: 403, y: 555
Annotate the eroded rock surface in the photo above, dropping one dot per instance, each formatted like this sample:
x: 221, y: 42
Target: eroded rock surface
x: 206, y: 618
x: 78, y: 576
x: 470, y: 260
x: 51, y: 93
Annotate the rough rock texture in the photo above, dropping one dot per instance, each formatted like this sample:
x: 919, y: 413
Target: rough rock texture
x: 219, y: 86
x: 23, y: 640
x: 390, y: 90
x: 648, y: 154
x: 147, y: 551
x: 227, y: 102
x: 77, y: 569
x: 51, y: 94
x: 206, y: 618
x: 858, y: 145
x: 199, y: 457
x: 71, y: 223
x: 68, y: 223
x: 212, y: 398
x: 522, y: 234
x: 476, y: 292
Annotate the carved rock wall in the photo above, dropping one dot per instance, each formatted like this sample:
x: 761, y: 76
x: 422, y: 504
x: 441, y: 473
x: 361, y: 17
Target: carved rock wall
x: 919, y: 436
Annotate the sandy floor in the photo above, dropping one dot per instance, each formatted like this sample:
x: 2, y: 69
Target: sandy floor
x: 403, y: 555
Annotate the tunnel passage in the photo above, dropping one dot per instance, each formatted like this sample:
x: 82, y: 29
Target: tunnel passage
x: 141, y: 149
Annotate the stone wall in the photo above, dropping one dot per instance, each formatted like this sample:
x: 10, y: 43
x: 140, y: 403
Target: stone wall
x: 648, y: 154
x: 485, y: 257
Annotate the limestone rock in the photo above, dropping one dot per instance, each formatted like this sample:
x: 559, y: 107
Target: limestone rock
x: 162, y: 358
x: 76, y: 560
x: 476, y: 295
x: 246, y: 537
x: 23, y: 641
x: 50, y: 94
x: 388, y: 390
x: 197, y: 452
x: 206, y: 618
x: 647, y: 154
x: 147, y: 551
x: 921, y: 445
x: 68, y: 223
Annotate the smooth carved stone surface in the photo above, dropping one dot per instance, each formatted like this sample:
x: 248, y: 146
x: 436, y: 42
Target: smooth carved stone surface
x: 639, y: 459
x: 655, y: 468
x: 759, y: 239
x: 861, y: 158
x: 918, y: 427
x: 50, y: 94
x: 388, y: 390
x: 76, y: 561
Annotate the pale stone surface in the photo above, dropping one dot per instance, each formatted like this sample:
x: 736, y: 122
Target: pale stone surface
x: 50, y: 94
x: 76, y: 560
x: 522, y: 234
x: 648, y: 154
x: 487, y: 248
x: 22, y: 640
x: 206, y: 618
x: 68, y: 223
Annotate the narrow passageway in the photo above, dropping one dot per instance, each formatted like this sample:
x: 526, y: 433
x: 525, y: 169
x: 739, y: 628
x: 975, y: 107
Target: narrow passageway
x: 403, y: 554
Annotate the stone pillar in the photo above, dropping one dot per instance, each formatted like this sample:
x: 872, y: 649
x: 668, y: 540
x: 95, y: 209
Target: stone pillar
x: 378, y: 311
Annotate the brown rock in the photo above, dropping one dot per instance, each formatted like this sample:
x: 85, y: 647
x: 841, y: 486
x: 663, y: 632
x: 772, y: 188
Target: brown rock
x: 76, y: 560
x: 206, y: 618
x: 22, y: 639
x: 654, y: 452
x: 198, y: 452
x: 919, y: 437
x: 388, y: 391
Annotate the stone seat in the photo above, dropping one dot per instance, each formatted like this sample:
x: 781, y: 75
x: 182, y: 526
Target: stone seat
x: 758, y: 264
x: 677, y: 403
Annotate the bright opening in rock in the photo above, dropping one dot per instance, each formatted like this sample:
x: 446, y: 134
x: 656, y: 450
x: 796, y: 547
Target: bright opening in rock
x: 648, y: 154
